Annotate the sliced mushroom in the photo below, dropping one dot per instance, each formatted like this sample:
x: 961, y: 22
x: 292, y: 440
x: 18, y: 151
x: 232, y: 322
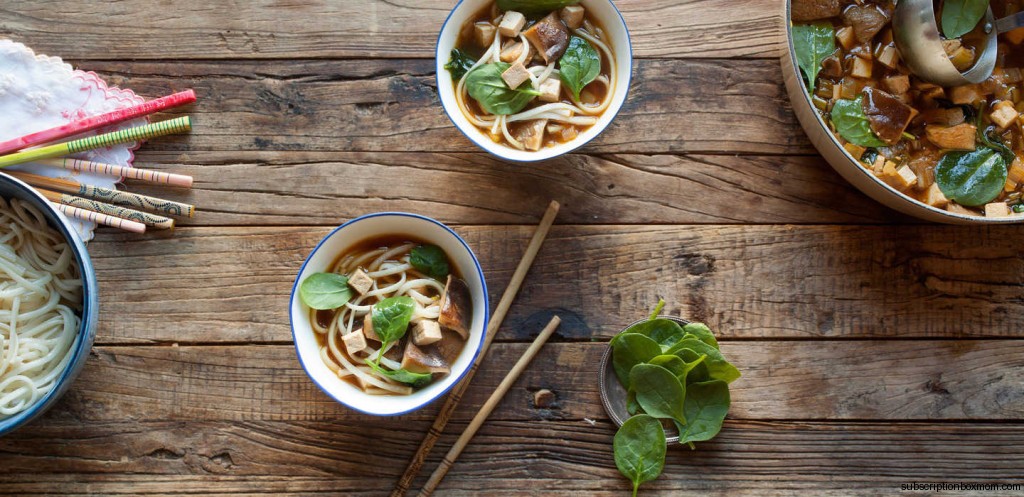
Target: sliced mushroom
x: 456, y: 307
x: 812, y: 10
x: 886, y: 114
x: 424, y: 360
x: 549, y: 36
x: 450, y: 346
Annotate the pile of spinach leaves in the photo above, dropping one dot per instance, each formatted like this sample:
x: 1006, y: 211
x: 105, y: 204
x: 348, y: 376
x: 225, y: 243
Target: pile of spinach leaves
x: 673, y: 373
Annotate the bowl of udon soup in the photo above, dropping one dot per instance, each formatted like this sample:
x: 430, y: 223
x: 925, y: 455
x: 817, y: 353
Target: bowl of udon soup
x: 945, y: 154
x: 388, y: 312
x: 528, y: 80
x: 48, y: 304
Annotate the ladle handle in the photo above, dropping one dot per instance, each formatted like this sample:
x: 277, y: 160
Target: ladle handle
x: 1011, y: 22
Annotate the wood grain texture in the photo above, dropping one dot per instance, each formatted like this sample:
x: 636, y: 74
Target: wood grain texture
x: 392, y: 105
x: 289, y: 188
x: 558, y: 458
x: 872, y: 380
x: 794, y: 282
x: 353, y: 28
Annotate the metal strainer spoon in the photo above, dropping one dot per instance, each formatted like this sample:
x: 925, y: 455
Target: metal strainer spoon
x: 917, y: 37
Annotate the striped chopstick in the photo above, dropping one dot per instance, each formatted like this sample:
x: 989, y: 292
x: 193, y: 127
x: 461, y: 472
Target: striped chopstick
x: 94, y: 122
x: 149, y: 175
x: 178, y: 125
x: 96, y: 217
x: 151, y: 220
x: 126, y: 199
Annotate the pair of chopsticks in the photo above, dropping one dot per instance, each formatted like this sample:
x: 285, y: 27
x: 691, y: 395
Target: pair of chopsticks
x: 456, y: 394
x: 121, y: 211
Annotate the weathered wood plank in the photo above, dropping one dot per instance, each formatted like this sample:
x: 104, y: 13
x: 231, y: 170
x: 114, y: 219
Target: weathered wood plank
x: 290, y: 188
x: 801, y: 282
x: 675, y: 106
x: 555, y: 457
x: 874, y: 380
x: 353, y: 28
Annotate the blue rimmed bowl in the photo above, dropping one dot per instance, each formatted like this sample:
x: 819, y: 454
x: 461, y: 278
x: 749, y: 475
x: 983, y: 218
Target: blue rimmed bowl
x: 12, y: 188
x: 341, y: 239
x: 610, y: 19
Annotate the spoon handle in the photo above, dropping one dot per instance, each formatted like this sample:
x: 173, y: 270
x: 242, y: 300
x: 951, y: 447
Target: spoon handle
x: 1010, y: 22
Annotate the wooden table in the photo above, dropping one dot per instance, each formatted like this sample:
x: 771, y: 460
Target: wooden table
x: 875, y: 350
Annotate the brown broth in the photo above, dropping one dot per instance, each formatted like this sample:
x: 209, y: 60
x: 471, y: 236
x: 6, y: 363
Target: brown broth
x: 453, y: 344
x: 597, y: 91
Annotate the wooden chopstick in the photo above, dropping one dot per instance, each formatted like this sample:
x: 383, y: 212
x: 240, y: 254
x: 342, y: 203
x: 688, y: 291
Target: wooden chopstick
x: 492, y: 329
x: 152, y: 220
x: 126, y: 199
x: 96, y: 217
x: 485, y: 411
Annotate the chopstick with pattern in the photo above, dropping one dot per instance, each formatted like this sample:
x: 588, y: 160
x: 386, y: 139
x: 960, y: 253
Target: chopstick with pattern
x: 126, y: 199
x: 96, y: 217
x: 140, y: 174
x: 151, y: 220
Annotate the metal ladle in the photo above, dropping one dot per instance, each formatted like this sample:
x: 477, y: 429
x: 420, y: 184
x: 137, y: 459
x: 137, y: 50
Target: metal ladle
x: 917, y: 37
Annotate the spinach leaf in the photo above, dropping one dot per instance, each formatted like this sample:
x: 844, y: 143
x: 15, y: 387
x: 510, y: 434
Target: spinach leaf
x: 718, y: 367
x: 403, y: 375
x: 813, y: 44
x: 323, y: 291
x: 664, y: 332
x: 699, y: 371
x: 629, y: 350
x: 534, y: 7
x: 459, y: 64
x: 579, y: 66
x: 702, y: 332
x: 971, y: 178
x: 486, y: 87
x: 851, y: 123
x: 639, y: 448
x: 706, y: 406
x: 658, y: 391
x: 959, y: 17
x: 390, y: 318
x: 430, y: 260
x: 632, y: 406
x: 678, y: 366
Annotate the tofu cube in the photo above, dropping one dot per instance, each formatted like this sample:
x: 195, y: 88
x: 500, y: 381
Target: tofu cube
x: 354, y: 342
x: 511, y: 24
x: 846, y: 37
x: 878, y: 165
x: 889, y: 56
x: 1015, y: 175
x: 861, y: 68
x: 426, y: 332
x: 934, y: 197
x: 966, y: 95
x: 360, y: 281
x: 530, y: 133
x: 997, y: 209
x: 368, y: 328
x: 856, y: 151
x: 512, y: 52
x: 905, y: 178
x: 956, y: 208
x: 550, y: 90
x: 572, y: 16
x: 484, y: 32
x: 897, y: 85
x: 1004, y: 114
x: 515, y: 75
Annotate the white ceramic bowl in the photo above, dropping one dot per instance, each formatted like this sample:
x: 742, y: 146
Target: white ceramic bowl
x: 351, y: 233
x: 12, y: 188
x: 848, y: 167
x: 612, y: 22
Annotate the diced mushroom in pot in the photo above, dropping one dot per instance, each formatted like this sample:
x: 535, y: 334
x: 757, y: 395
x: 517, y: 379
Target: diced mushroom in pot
x: 425, y: 360
x: 530, y: 133
x: 959, y: 137
x: 831, y: 67
x: 866, y: 20
x: 886, y: 114
x: 549, y: 36
x: 812, y: 10
x: 943, y: 117
x: 456, y: 307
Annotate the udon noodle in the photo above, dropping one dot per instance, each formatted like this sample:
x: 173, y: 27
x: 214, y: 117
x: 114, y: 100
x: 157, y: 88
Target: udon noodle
x: 347, y: 344
x: 558, y: 118
x: 39, y: 287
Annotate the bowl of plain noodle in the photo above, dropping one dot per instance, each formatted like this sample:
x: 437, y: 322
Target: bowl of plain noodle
x: 528, y: 81
x: 48, y: 304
